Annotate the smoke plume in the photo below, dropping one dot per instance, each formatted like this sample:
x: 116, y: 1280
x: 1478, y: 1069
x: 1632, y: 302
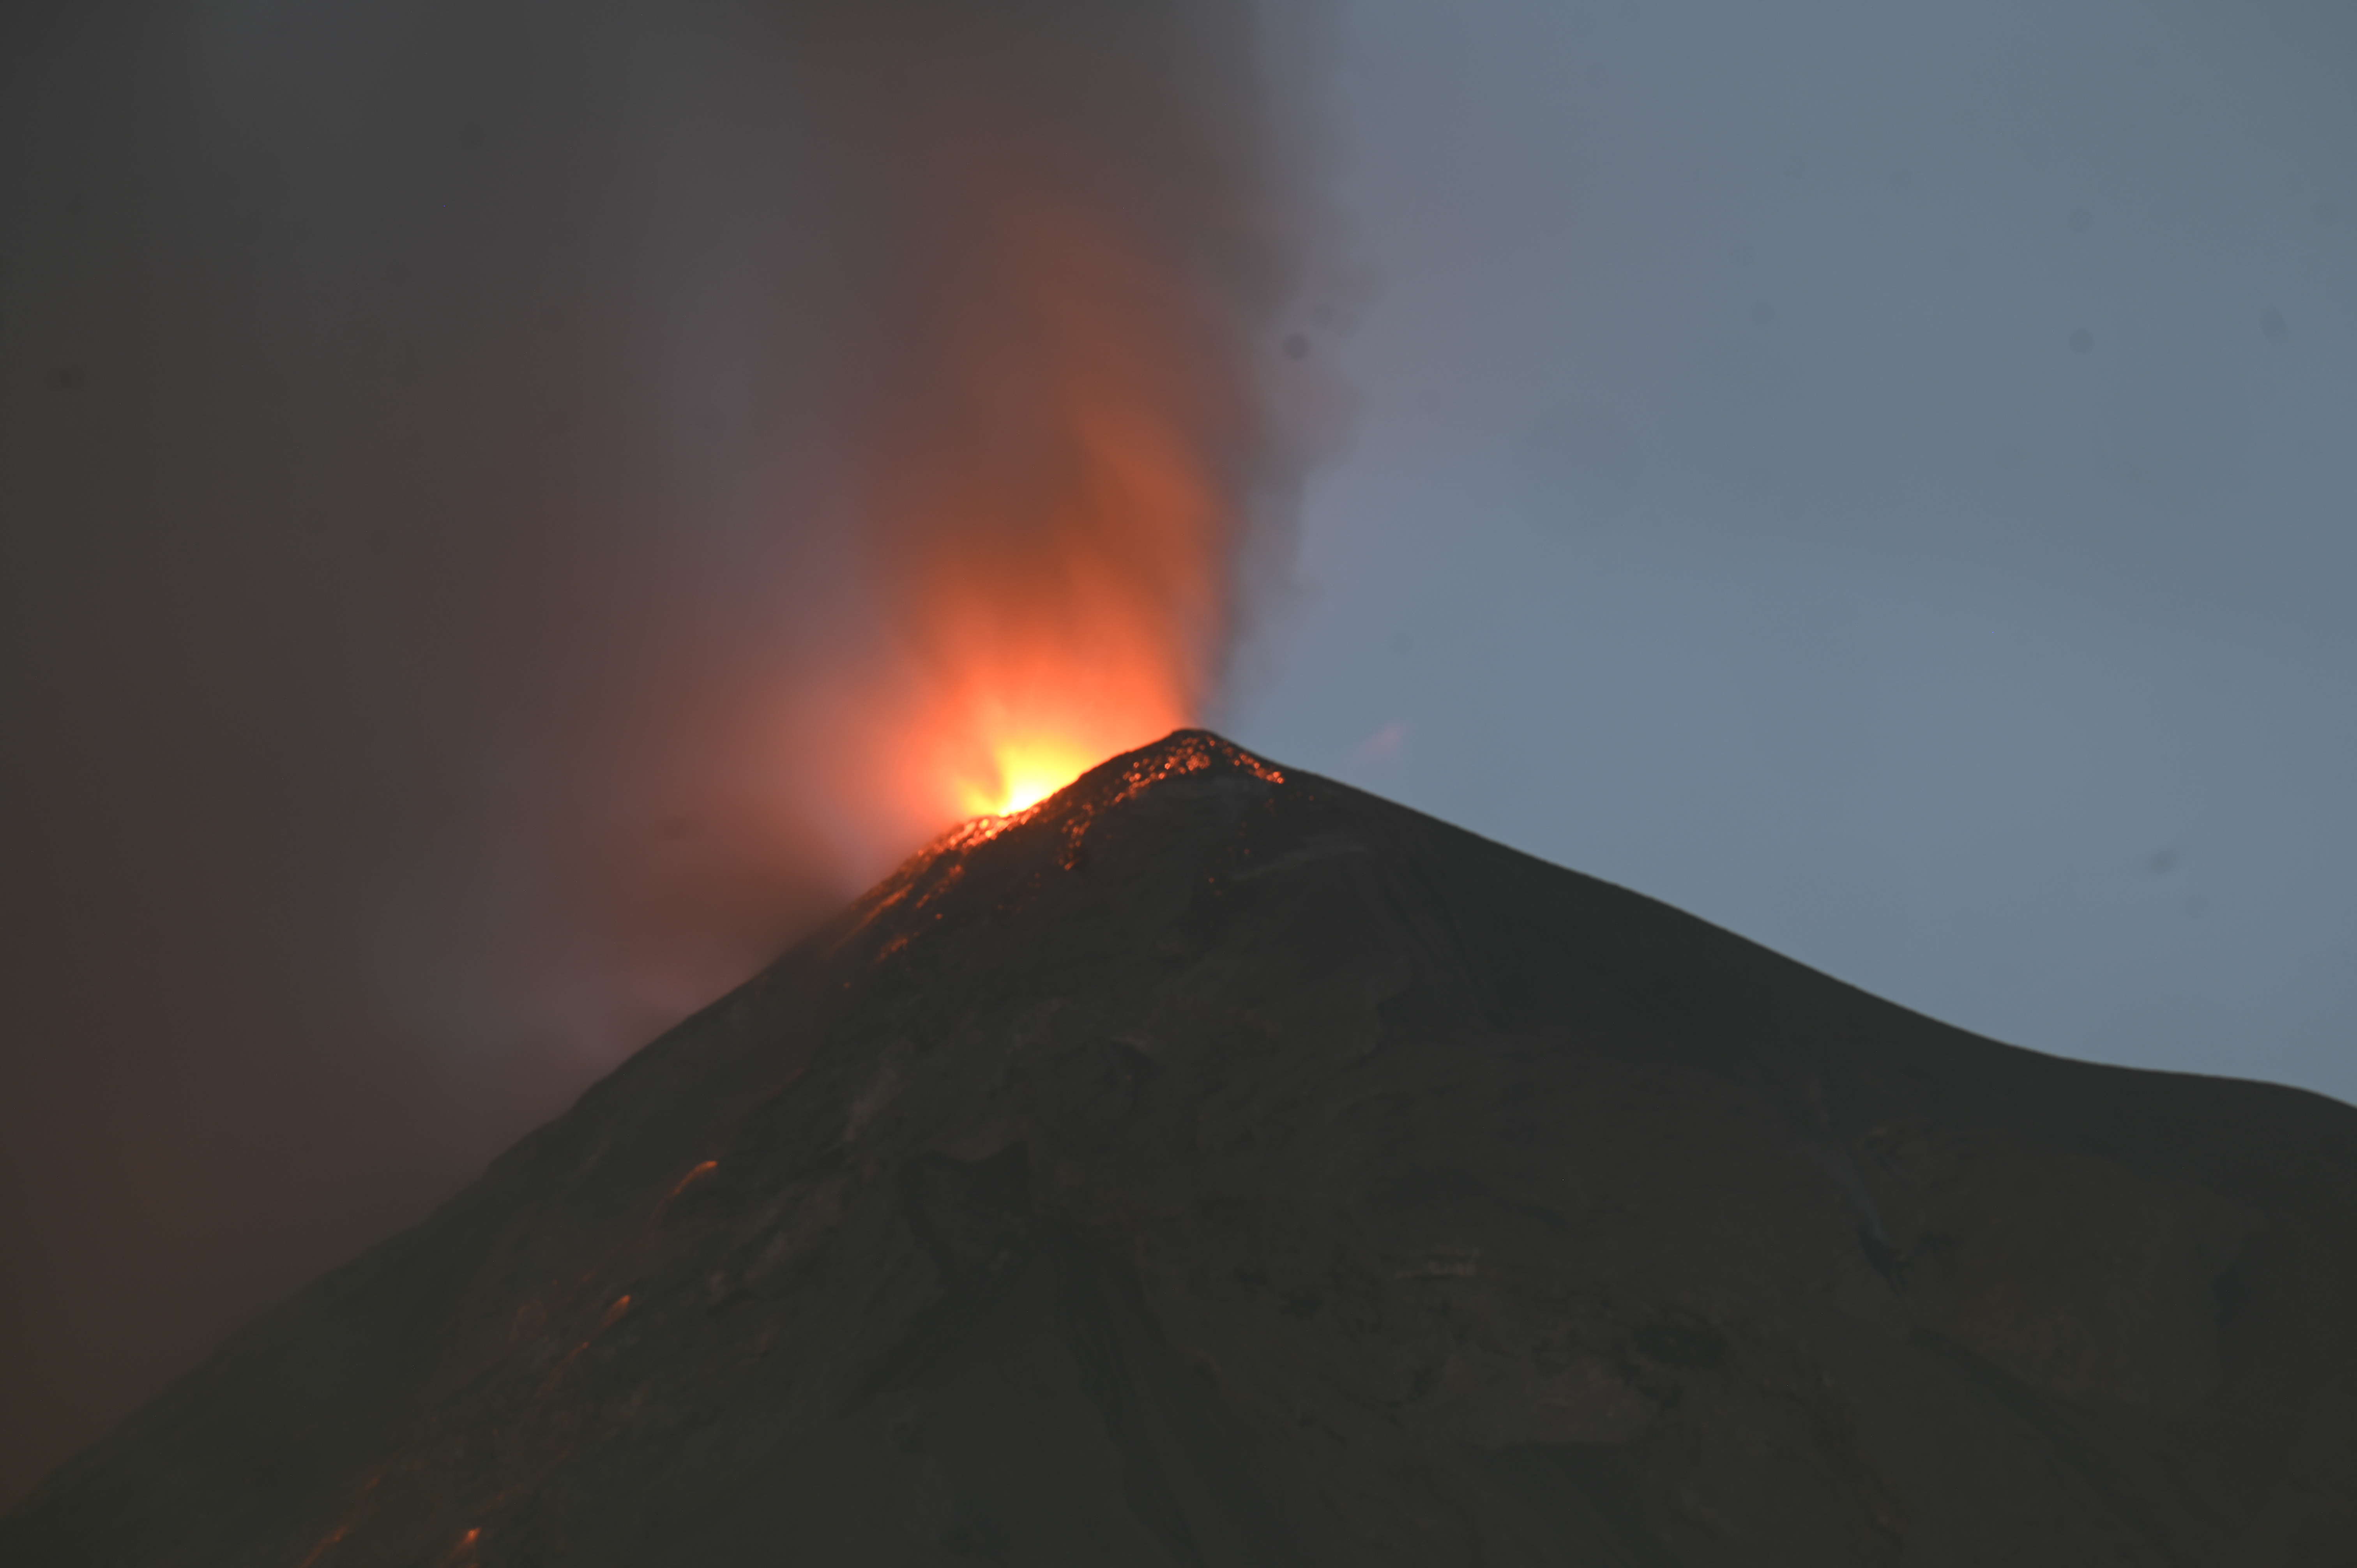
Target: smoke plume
x: 513, y: 510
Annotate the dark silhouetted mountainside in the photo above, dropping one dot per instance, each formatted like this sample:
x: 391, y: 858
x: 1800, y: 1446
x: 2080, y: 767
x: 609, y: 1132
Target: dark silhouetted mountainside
x: 1216, y: 1166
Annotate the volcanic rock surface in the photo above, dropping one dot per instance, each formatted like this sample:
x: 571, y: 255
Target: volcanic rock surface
x: 1216, y: 1165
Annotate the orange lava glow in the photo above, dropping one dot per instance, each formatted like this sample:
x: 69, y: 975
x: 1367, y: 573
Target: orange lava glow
x: 1059, y: 572
x: 1054, y: 453
x: 1023, y: 773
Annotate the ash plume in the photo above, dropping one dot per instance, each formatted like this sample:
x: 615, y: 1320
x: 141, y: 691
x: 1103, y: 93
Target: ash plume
x: 519, y: 511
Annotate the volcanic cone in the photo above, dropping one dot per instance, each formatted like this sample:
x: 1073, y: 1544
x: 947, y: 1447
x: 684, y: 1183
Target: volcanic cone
x: 1218, y: 1166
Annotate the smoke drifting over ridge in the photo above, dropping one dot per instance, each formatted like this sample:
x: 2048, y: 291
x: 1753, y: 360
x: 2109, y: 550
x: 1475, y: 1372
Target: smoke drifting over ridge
x: 514, y: 512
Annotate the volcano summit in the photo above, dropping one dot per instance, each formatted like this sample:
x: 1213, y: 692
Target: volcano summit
x: 1218, y: 1166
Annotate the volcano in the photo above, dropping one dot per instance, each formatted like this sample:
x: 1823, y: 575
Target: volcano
x: 1215, y: 1164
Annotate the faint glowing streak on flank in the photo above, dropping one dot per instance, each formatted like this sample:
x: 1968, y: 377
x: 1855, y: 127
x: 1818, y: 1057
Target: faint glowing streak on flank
x: 351, y: 1517
x: 691, y: 1177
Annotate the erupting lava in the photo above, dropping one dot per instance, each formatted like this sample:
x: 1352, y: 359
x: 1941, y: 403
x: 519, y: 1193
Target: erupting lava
x: 1023, y: 773
x: 1058, y: 444
x: 1056, y: 438
x: 986, y: 756
x: 1019, y: 727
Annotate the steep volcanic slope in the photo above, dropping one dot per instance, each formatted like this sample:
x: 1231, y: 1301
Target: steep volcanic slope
x: 1217, y: 1167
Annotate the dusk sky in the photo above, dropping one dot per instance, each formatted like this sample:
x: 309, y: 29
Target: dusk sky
x: 1881, y: 479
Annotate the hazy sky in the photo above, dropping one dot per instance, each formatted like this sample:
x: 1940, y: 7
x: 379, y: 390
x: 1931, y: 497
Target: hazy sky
x: 1881, y: 478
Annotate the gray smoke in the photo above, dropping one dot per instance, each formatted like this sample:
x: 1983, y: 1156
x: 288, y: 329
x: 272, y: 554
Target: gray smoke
x: 438, y: 451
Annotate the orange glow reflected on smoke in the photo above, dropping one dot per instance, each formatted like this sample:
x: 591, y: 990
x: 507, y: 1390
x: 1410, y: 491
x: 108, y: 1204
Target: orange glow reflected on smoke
x: 1054, y: 447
